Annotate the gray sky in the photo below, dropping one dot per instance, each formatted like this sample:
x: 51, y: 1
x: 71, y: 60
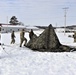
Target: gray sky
x: 39, y: 12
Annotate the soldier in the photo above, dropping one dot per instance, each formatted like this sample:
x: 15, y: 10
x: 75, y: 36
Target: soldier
x: 22, y: 38
x: 12, y: 37
x: 31, y: 33
x: 74, y: 36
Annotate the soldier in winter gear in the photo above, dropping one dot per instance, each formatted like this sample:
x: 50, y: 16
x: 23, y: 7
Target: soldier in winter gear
x: 22, y: 38
x: 31, y: 33
x: 74, y: 36
x: 12, y: 37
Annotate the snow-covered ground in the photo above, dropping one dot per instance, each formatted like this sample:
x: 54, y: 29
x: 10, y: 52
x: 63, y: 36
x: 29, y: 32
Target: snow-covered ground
x: 23, y: 61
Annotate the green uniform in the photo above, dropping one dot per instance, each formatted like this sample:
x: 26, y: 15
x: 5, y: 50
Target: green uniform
x: 12, y: 37
x: 22, y: 38
x: 74, y: 36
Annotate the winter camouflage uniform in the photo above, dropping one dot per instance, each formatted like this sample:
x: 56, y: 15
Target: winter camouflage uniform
x: 74, y: 36
x: 22, y: 38
x: 12, y: 37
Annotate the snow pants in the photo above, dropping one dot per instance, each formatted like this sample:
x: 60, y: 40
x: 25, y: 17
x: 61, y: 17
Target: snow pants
x: 23, y: 40
x: 13, y: 41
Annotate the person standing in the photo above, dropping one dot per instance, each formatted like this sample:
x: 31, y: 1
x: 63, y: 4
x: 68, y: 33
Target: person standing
x: 22, y: 38
x: 31, y: 33
x: 12, y: 37
x: 74, y: 36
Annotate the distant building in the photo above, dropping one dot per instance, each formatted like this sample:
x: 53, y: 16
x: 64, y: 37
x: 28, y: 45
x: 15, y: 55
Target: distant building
x: 10, y: 28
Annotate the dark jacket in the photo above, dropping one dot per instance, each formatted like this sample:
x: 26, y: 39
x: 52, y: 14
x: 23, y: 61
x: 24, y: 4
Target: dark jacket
x: 12, y: 35
x: 31, y: 33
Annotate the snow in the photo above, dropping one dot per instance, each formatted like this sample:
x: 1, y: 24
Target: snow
x: 24, y: 61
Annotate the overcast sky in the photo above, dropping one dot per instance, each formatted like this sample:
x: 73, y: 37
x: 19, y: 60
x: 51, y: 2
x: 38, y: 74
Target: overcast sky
x: 39, y: 12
